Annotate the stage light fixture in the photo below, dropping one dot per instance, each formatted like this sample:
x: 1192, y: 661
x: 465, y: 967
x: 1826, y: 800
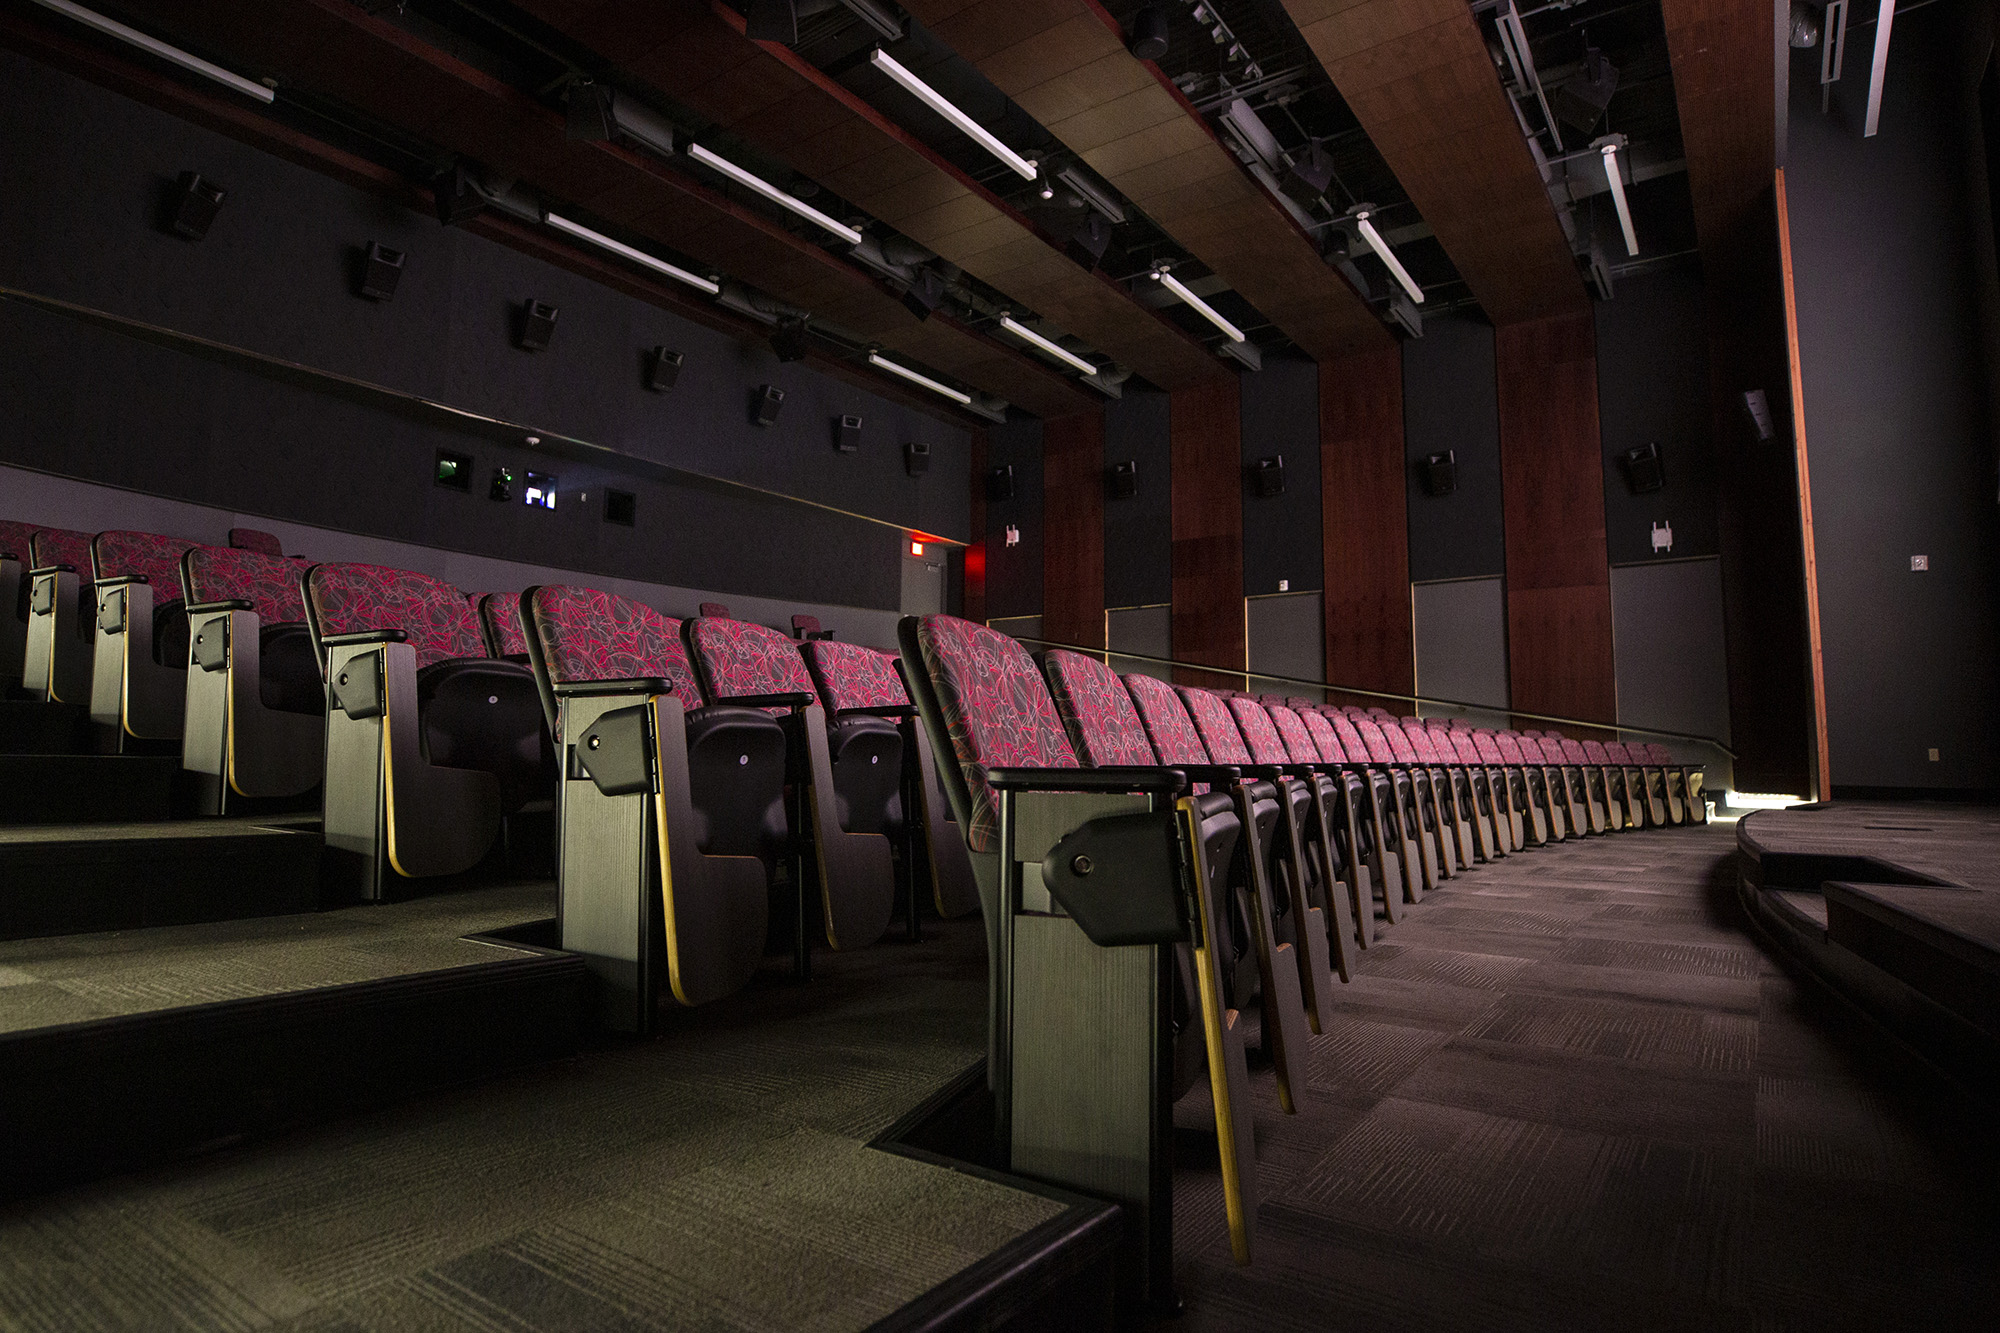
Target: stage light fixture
x: 881, y: 362
x: 1207, y: 311
x: 1028, y: 335
x: 663, y: 369
x: 173, y: 55
x: 192, y: 205
x: 381, y: 270
x: 789, y: 340
x: 1385, y: 254
x: 765, y: 403
x: 936, y: 101
x: 846, y: 434
x: 624, y: 251
x: 1149, y: 33
x: 1608, y: 151
x: 539, y: 491
x: 622, y: 508
x: 757, y: 184
x: 916, y: 458
x: 538, y: 325
x: 501, y: 488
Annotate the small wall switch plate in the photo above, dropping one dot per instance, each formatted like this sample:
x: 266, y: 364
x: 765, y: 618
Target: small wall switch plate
x: 1284, y: 585
x: 1919, y: 563
x: 1934, y: 754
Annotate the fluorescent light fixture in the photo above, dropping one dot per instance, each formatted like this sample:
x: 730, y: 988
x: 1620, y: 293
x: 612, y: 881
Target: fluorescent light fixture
x: 624, y: 251
x: 931, y: 98
x: 1026, y: 334
x: 773, y: 193
x: 171, y: 54
x: 1617, y: 180
x: 1877, y: 70
x: 1388, y: 256
x: 1209, y: 312
x: 881, y: 362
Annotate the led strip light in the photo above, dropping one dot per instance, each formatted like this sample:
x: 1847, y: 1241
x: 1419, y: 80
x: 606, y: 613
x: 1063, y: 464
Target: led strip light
x: 624, y: 251
x: 881, y: 362
x: 1388, y: 256
x: 1617, y: 181
x: 172, y: 54
x: 1209, y: 312
x: 773, y: 193
x: 1026, y: 334
x: 936, y: 101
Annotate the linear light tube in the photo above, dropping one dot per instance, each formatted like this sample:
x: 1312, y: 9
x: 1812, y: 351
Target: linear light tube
x: 1022, y: 331
x: 931, y: 98
x: 916, y: 377
x: 1209, y: 312
x: 1612, y: 174
x: 1879, y: 68
x: 172, y: 54
x: 773, y: 193
x: 624, y: 251
x: 1388, y: 256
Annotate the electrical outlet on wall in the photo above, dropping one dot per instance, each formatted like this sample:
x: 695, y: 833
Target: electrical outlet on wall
x: 1284, y: 585
x: 1934, y: 754
x: 1919, y: 564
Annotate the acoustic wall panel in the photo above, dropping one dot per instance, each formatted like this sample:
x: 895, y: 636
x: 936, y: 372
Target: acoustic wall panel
x: 1286, y: 638
x: 1461, y: 636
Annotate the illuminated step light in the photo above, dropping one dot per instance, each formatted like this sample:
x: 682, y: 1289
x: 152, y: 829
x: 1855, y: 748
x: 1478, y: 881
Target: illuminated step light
x: 936, y: 101
x: 1026, y: 334
x: 1757, y: 800
x: 881, y: 362
x: 773, y: 193
x: 624, y: 251
x: 154, y: 46
x: 1616, y: 180
x: 1208, y: 312
x: 1388, y: 256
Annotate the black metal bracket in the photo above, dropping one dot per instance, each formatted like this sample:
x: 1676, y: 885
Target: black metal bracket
x: 111, y: 616
x: 613, y: 752
x: 211, y: 645
x: 1119, y: 878
x: 357, y: 689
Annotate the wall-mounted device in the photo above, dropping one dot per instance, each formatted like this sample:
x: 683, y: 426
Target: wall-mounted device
x: 916, y: 457
x: 766, y: 401
x: 502, y: 486
x: 1440, y: 473
x: 1644, y: 472
x: 663, y: 369
x: 538, y: 325
x: 454, y: 470
x: 1663, y: 538
x: 192, y: 205
x: 539, y: 491
x: 1000, y: 483
x: 1267, y: 478
x: 381, y: 270
x: 621, y: 507
x: 1013, y: 535
x: 1123, y: 479
x: 847, y: 433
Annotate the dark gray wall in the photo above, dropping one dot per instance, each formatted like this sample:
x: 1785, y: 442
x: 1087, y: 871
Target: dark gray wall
x: 1886, y: 267
x: 87, y: 171
x: 1014, y: 573
x: 1139, y: 532
x: 1281, y: 535
x: 1652, y: 388
x: 1451, y: 401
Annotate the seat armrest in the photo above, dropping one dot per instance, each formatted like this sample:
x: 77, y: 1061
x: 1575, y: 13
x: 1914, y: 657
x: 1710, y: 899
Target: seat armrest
x: 121, y: 580
x: 796, y: 699
x: 364, y: 636
x: 1171, y: 780
x: 594, y: 688
x: 53, y: 569
x: 227, y: 604
x: 1217, y: 775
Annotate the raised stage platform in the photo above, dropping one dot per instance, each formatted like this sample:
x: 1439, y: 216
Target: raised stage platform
x: 1898, y: 907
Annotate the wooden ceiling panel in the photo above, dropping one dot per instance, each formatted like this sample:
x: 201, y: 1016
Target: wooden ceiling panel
x: 1064, y: 62
x: 1725, y: 83
x: 1417, y: 75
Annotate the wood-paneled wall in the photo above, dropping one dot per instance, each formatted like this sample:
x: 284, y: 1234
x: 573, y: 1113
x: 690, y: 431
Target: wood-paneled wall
x: 1207, y: 426
x: 1363, y: 500
x: 1559, y: 653
x: 1073, y: 529
x: 972, y: 597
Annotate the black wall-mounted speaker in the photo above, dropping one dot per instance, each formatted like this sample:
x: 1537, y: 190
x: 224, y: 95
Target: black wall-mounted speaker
x: 192, y: 205
x: 1644, y: 470
x: 916, y: 457
x: 765, y: 403
x: 381, y: 270
x: 621, y: 507
x: 1440, y: 473
x: 1122, y: 482
x: 1267, y: 478
x: 847, y: 434
x: 538, y: 325
x: 663, y: 369
x: 1000, y: 482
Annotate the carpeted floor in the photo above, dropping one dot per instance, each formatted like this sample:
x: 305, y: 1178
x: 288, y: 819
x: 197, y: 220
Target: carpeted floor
x: 717, y: 1178
x: 1571, y: 1092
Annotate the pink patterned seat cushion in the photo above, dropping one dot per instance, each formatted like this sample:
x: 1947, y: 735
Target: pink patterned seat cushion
x: 224, y: 574
x: 157, y: 559
x: 1595, y: 753
x: 1373, y: 740
x: 351, y: 599
x: 1266, y: 745
x: 1658, y: 754
x: 15, y: 539
x: 1508, y: 743
x: 852, y: 676
x: 1168, y: 727
x: 254, y: 539
x: 1419, y: 737
x: 1462, y: 746
x: 590, y: 635
x: 996, y: 707
x: 1489, y: 750
x: 1217, y: 725
x: 1618, y: 754
x: 59, y: 546
x: 500, y: 614
x: 1330, y: 749
x: 1292, y: 731
x: 1399, y: 742
x: 738, y: 659
x: 1103, y: 726
x: 1573, y: 751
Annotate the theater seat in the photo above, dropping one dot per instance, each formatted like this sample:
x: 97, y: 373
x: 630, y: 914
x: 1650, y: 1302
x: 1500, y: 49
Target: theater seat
x: 62, y: 621
x: 257, y: 541
x: 138, y: 677
x: 500, y: 618
x: 16, y: 557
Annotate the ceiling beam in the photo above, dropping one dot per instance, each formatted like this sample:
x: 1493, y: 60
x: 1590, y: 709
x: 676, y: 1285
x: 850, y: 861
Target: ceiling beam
x: 1418, y: 76
x: 1064, y: 62
x: 1725, y: 83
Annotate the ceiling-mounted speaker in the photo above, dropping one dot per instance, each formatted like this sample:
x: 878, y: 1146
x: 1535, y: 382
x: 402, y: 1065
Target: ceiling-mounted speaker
x: 538, y: 325
x: 590, y: 115
x: 916, y: 458
x: 457, y: 195
x: 924, y: 293
x: 771, y: 21
x: 1441, y: 473
x: 1088, y: 241
x: 1000, y: 482
x: 1309, y: 174
x: 1148, y: 40
x: 847, y: 434
x: 765, y: 403
x: 1267, y: 478
x: 192, y: 206
x: 381, y: 270
x: 663, y: 369
x: 1644, y: 470
x: 1122, y: 482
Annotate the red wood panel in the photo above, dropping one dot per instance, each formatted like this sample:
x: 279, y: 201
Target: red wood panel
x: 1206, y: 430
x: 1552, y: 478
x: 1725, y: 87
x: 1363, y: 497
x: 1073, y: 529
